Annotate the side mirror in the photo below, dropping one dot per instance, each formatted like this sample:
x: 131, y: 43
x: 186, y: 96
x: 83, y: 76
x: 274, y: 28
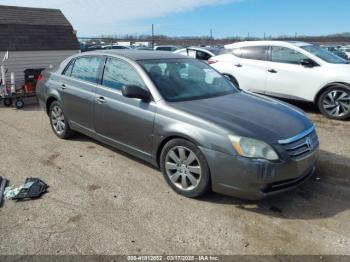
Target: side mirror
x: 134, y: 91
x: 307, y: 63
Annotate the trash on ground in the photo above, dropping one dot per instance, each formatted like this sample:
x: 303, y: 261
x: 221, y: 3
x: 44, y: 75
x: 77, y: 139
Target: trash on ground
x: 3, y: 183
x: 11, y: 192
x: 32, y: 188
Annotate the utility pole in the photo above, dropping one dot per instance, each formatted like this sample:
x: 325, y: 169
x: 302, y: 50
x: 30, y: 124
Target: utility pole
x: 152, y: 35
x: 264, y: 36
x: 296, y: 35
x: 211, y: 36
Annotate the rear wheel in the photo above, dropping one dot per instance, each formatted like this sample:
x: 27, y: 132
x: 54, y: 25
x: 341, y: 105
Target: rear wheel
x: 59, y: 122
x: 334, y: 102
x: 185, y: 168
x: 8, y: 102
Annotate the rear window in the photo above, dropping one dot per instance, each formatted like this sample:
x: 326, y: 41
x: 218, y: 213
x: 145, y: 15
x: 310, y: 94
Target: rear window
x: 87, y: 68
x: 254, y: 52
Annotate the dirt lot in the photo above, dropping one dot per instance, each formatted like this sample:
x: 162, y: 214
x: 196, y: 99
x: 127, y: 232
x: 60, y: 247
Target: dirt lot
x: 102, y: 201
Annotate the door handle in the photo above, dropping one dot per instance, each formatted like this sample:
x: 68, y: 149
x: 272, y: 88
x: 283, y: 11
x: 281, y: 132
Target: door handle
x: 63, y: 86
x: 238, y: 65
x: 273, y: 71
x: 101, y: 100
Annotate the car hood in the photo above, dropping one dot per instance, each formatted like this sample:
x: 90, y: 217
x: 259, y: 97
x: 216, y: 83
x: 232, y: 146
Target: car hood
x: 249, y: 115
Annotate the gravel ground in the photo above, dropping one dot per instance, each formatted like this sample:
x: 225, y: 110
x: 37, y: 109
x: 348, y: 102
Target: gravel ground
x: 102, y: 201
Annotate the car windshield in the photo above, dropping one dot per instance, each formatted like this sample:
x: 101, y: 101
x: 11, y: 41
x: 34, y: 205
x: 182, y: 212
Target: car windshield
x: 186, y: 79
x: 324, y: 54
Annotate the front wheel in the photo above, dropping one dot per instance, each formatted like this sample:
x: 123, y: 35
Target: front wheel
x: 334, y: 102
x: 58, y: 121
x: 185, y: 168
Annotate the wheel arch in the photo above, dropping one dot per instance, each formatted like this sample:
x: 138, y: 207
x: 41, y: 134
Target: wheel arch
x: 49, y: 101
x: 168, y: 138
x: 320, y: 92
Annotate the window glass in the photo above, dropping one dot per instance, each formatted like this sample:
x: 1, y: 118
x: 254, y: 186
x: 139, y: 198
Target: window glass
x: 118, y: 74
x: 324, y: 54
x: 86, y: 68
x: 203, y: 56
x: 186, y: 79
x: 255, y: 52
x: 286, y: 55
x: 68, y: 70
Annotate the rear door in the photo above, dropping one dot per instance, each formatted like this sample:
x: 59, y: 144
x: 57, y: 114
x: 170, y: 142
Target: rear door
x: 251, y: 67
x: 126, y: 121
x: 79, y: 82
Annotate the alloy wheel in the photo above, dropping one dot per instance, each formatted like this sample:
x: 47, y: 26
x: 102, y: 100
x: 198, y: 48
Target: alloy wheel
x: 337, y: 103
x: 183, y: 168
x: 57, y: 119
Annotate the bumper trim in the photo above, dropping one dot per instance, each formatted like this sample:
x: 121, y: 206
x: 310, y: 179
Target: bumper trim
x: 286, y: 184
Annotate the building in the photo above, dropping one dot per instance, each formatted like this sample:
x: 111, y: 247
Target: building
x: 35, y: 38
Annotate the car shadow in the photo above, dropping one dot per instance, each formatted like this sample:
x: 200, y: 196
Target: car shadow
x: 325, y: 195
x: 78, y: 137
x: 330, y: 184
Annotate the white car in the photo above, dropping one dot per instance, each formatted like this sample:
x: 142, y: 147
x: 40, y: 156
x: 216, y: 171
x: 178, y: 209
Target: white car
x: 292, y: 70
x: 346, y: 50
x: 200, y: 53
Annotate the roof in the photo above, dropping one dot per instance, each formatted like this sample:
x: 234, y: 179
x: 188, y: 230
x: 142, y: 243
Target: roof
x: 137, y: 55
x: 273, y: 43
x: 34, y: 29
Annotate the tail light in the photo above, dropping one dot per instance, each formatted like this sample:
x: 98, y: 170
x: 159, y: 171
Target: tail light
x: 212, y: 61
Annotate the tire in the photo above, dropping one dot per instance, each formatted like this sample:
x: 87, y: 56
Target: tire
x: 8, y: 102
x: 58, y: 121
x: 182, y: 175
x: 19, y: 103
x: 334, y: 102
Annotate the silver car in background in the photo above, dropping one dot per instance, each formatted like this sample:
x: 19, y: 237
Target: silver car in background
x: 183, y: 116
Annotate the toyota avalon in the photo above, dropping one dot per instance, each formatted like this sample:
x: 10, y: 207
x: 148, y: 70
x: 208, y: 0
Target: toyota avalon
x: 184, y: 117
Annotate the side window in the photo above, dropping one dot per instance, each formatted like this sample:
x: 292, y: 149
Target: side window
x: 69, y: 68
x: 87, y: 68
x: 203, y: 56
x: 286, y: 55
x: 255, y: 53
x: 118, y: 73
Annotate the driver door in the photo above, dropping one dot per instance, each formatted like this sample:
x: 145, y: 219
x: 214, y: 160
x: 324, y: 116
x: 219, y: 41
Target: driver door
x: 287, y: 78
x: 125, y: 121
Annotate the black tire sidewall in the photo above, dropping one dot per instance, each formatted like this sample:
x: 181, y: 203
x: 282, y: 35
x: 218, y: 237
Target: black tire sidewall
x: 67, y: 131
x: 19, y: 104
x: 8, y: 102
x: 328, y: 90
x: 204, y: 184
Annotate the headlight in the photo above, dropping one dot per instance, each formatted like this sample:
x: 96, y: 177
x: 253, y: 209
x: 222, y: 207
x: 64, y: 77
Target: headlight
x: 252, y: 148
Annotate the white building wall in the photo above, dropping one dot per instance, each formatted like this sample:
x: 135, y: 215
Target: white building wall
x: 20, y: 60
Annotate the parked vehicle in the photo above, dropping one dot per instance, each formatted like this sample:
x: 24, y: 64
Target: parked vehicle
x: 170, y: 48
x: 341, y: 54
x: 346, y: 50
x: 106, y: 47
x: 292, y: 70
x: 200, y: 53
x: 183, y: 116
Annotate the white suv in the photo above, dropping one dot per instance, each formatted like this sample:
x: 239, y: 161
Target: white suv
x: 292, y: 70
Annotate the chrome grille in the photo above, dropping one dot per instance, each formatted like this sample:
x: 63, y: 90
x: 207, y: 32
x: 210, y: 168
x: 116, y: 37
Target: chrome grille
x: 301, y: 145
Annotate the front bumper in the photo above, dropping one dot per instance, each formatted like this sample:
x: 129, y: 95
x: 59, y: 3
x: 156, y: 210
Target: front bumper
x: 255, y: 179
